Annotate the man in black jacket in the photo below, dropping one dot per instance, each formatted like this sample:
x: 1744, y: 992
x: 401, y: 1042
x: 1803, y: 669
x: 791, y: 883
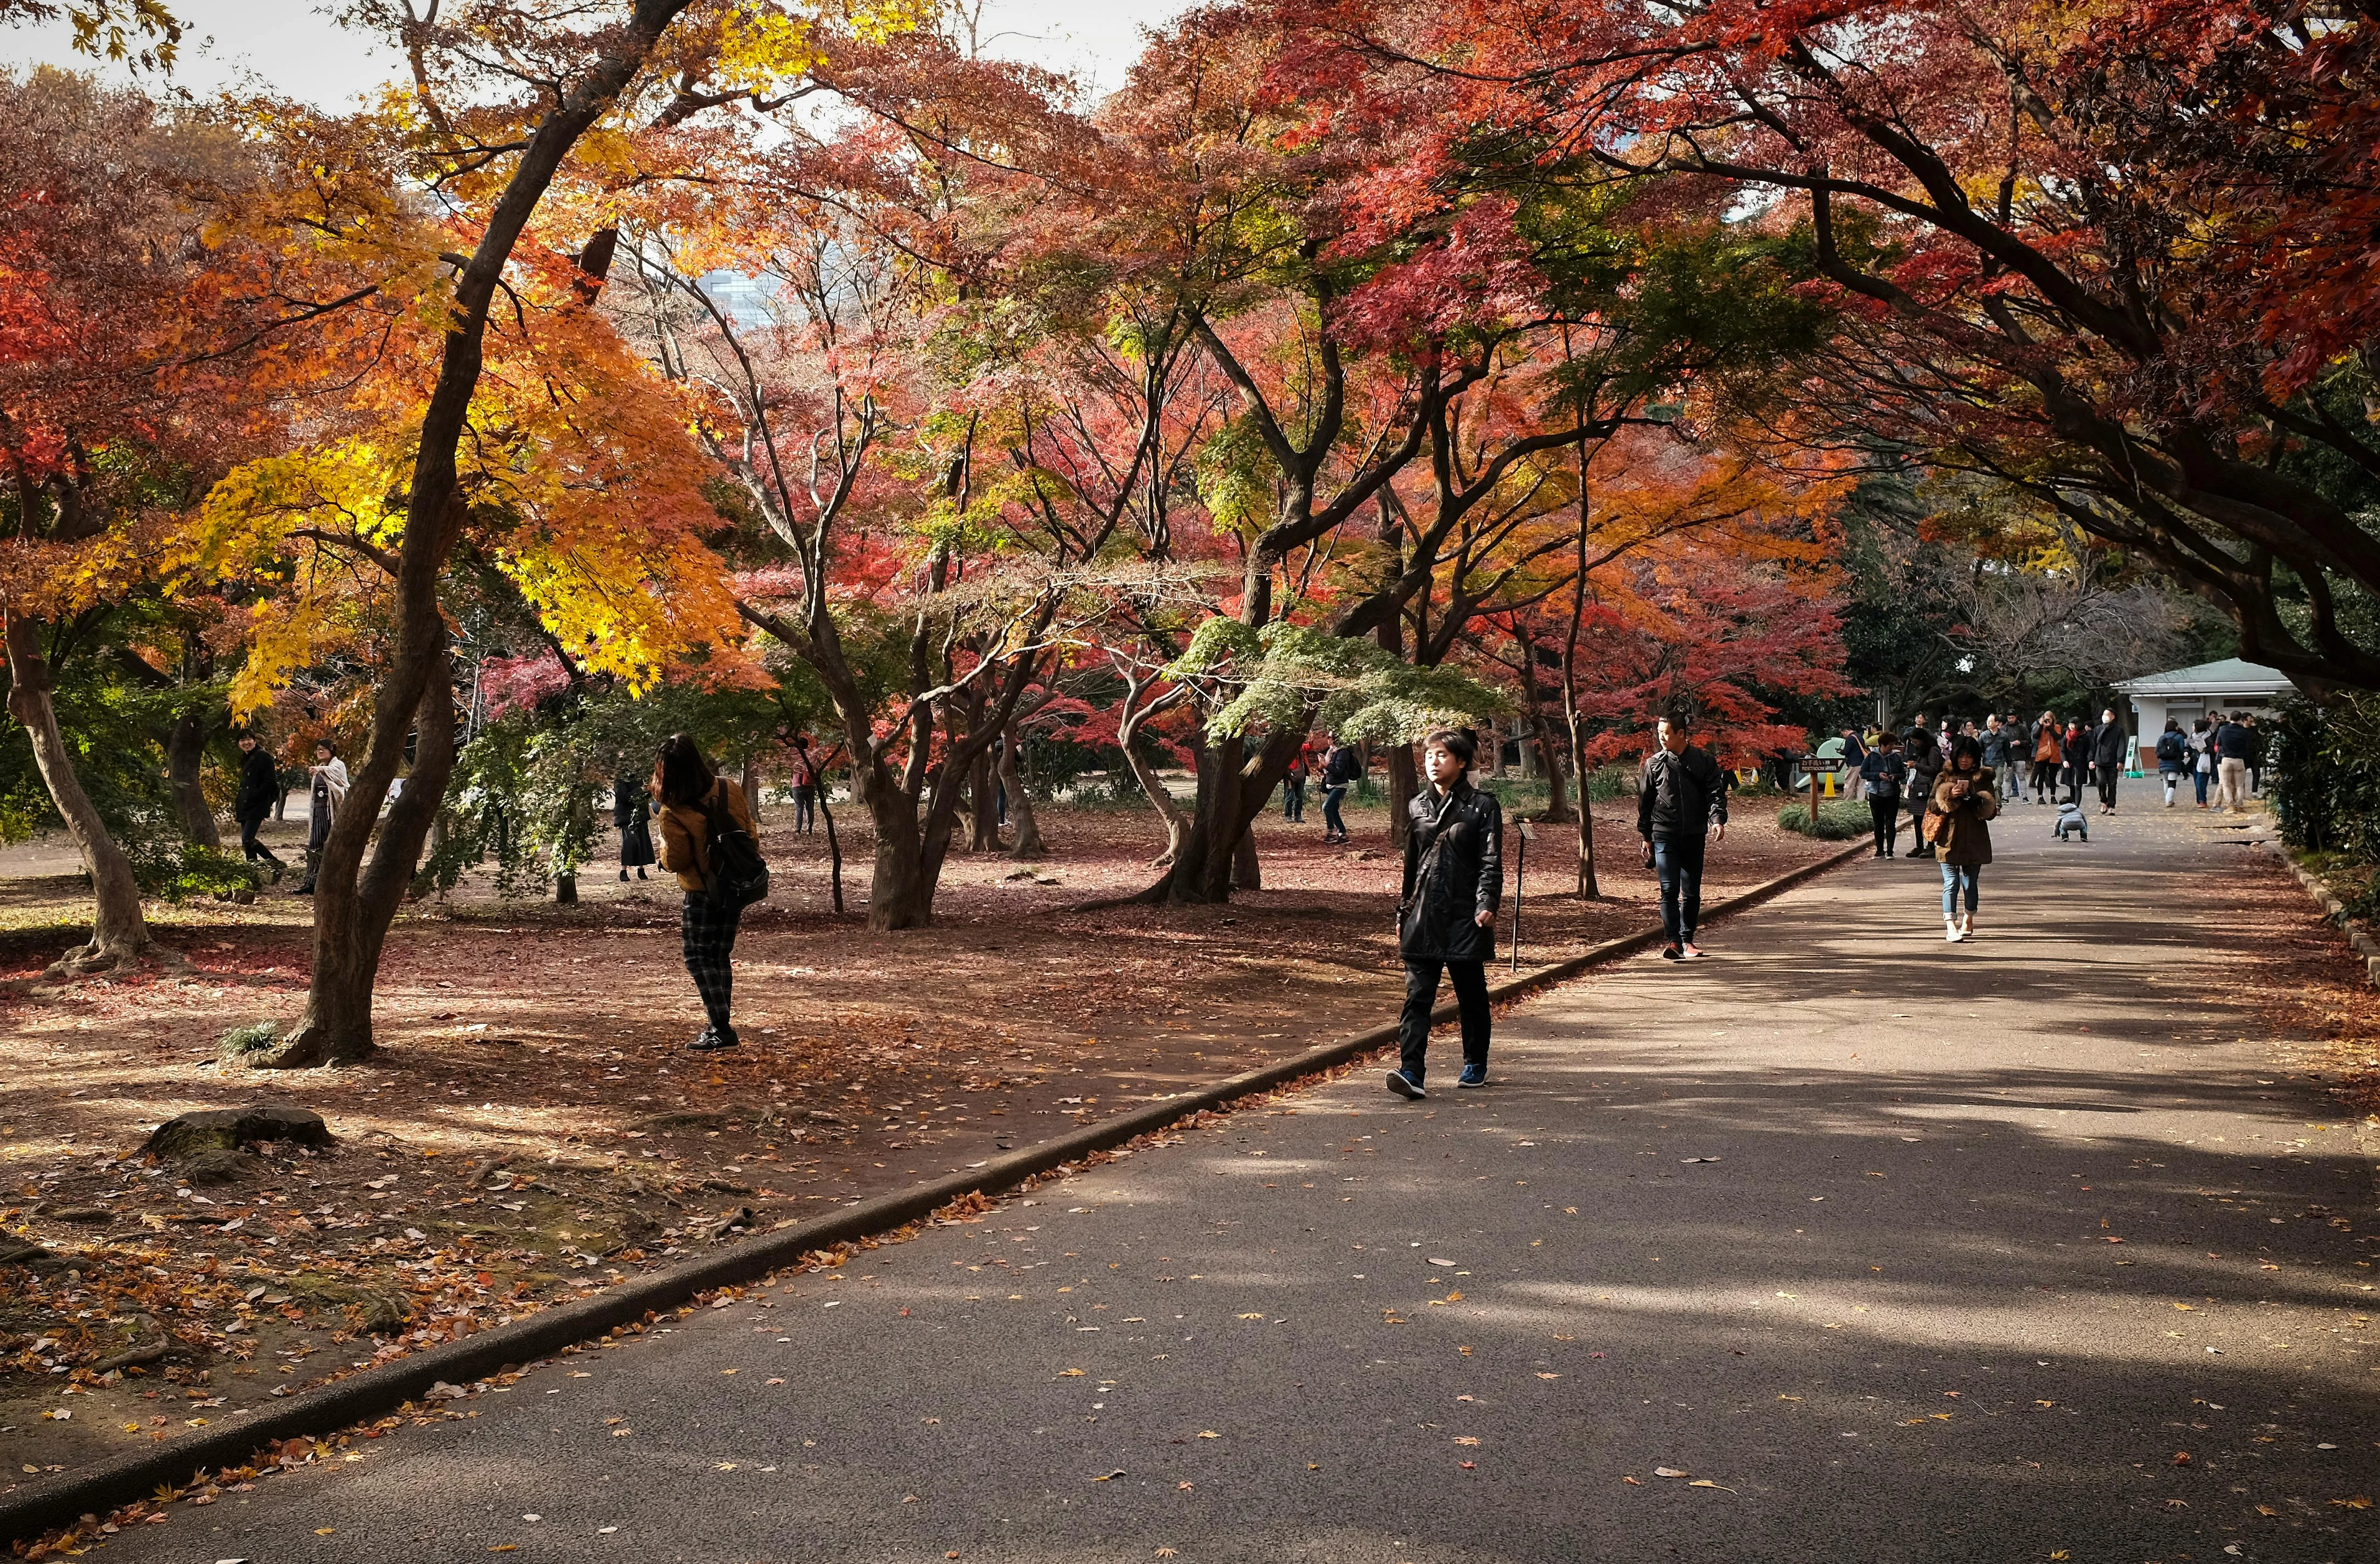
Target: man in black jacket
x: 1446, y: 907
x: 259, y: 789
x: 2108, y: 756
x: 1681, y: 805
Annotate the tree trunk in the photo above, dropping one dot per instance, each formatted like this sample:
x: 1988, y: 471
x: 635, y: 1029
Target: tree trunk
x: 1020, y: 805
x: 983, y: 809
x: 1495, y: 736
x: 352, y: 911
x: 752, y: 786
x: 118, y: 932
x: 1247, y: 871
x: 352, y: 914
x: 1404, y: 782
x: 1160, y: 799
x: 186, y: 746
x: 1232, y: 790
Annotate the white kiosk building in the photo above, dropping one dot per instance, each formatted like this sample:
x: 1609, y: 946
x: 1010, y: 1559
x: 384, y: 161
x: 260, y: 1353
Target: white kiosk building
x: 2189, y: 694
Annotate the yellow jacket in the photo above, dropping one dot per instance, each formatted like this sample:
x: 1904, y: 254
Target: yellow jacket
x: 686, y: 831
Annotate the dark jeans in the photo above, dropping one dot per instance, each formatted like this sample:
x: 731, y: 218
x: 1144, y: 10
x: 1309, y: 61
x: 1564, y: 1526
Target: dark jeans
x: 1886, y: 812
x: 805, y: 808
x: 1293, y: 799
x: 2198, y: 779
x: 1679, y: 864
x: 249, y: 847
x: 2108, y: 775
x: 2075, y: 776
x: 1470, y: 978
x: 1332, y: 823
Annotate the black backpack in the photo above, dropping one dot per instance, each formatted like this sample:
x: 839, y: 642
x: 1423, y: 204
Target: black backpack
x: 736, y: 874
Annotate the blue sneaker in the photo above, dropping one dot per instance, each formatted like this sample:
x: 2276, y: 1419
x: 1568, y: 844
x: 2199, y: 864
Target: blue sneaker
x: 1473, y: 1076
x: 1406, y: 1086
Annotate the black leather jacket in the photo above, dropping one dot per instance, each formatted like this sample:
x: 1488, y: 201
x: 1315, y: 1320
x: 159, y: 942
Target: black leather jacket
x: 1454, y: 871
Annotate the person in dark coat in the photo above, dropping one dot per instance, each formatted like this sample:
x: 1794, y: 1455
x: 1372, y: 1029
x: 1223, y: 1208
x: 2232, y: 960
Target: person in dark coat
x: 1446, y: 911
x: 2109, y: 745
x: 1680, y: 807
x: 1924, y: 753
x: 632, y: 816
x: 1967, y: 799
x: 259, y: 789
x: 1342, y: 768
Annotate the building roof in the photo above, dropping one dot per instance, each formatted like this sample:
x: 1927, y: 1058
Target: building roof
x: 2233, y: 675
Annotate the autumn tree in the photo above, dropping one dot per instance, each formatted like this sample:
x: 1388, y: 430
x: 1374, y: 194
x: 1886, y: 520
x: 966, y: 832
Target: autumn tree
x: 508, y: 103
x: 124, y: 387
x: 2109, y: 255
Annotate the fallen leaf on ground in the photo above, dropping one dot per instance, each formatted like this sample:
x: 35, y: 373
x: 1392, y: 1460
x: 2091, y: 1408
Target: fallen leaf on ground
x: 1111, y: 1476
x: 1669, y: 1471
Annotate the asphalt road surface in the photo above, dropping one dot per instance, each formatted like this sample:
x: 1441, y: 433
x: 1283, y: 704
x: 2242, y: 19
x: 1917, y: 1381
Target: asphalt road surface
x: 1847, y: 1244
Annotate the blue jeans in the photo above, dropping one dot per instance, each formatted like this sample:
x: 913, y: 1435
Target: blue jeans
x: 2199, y: 780
x: 1679, y: 864
x: 1955, y: 878
x: 1330, y: 820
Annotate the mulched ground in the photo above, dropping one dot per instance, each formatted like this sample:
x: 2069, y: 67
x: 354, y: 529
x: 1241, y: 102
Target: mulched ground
x: 532, y: 1127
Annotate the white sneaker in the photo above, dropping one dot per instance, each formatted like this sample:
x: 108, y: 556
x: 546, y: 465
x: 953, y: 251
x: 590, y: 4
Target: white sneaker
x: 1950, y: 930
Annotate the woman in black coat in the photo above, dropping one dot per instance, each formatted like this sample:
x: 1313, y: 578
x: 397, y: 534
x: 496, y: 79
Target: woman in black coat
x: 1446, y: 919
x: 632, y: 816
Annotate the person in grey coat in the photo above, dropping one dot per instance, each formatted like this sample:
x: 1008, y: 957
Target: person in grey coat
x: 1446, y: 911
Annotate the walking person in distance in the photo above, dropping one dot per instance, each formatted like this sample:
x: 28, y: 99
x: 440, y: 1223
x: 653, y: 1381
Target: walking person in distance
x: 2202, y: 758
x: 632, y: 818
x: 1884, y: 773
x: 1680, y: 807
x: 2232, y: 745
x: 1446, y: 910
x: 1341, y: 766
x: 1964, y: 802
x: 330, y: 790
x: 2172, y: 758
x: 259, y: 785
x: 2108, y: 756
x: 1292, y: 790
x: 1924, y: 754
x: 2048, y: 755
x: 691, y: 796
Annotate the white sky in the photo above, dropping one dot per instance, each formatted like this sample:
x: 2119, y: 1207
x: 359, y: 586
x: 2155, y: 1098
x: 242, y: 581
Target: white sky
x: 295, y: 48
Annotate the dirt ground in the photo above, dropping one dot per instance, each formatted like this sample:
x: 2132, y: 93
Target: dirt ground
x: 533, y: 1128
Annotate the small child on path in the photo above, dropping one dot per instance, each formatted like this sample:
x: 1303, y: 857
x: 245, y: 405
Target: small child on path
x: 2070, y: 818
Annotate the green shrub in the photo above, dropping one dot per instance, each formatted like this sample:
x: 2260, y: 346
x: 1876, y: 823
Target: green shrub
x: 1838, y: 819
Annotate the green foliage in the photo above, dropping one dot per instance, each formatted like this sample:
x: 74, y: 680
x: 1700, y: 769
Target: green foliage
x: 1840, y: 820
x: 2322, y: 770
x: 1235, y: 477
x: 533, y: 789
x: 1357, y: 690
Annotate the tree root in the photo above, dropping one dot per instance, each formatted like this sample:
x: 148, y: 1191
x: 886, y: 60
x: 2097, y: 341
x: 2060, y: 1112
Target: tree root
x: 95, y: 960
x: 310, y: 1047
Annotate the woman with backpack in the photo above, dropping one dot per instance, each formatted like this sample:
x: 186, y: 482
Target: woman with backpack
x: 696, y: 810
x: 2172, y: 758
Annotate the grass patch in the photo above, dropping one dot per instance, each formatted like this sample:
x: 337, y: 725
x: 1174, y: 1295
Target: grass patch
x: 1842, y: 821
x: 238, y: 1045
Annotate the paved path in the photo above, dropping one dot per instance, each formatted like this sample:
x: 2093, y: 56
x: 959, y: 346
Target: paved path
x: 1915, y: 1252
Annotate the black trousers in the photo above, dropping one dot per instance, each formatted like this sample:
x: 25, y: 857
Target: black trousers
x: 249, y: 847
x: 2108, y: 775
x: 708, y: 930
x: 1886, y: 812
x: 1470, y: 979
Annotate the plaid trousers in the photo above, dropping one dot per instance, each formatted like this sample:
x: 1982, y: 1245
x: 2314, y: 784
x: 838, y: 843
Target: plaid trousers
x: 709, y: 937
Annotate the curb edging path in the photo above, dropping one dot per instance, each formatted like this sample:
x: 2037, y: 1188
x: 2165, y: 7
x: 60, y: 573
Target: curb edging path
x: 98, y: 1489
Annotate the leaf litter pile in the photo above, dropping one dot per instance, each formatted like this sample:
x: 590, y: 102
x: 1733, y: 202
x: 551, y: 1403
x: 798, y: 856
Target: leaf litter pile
x: 533, y: 1130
